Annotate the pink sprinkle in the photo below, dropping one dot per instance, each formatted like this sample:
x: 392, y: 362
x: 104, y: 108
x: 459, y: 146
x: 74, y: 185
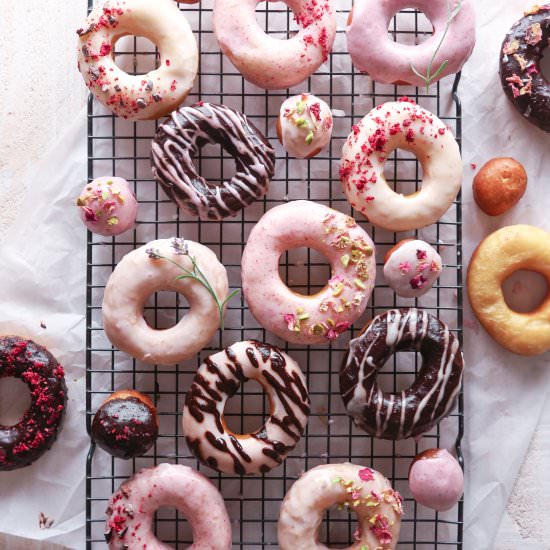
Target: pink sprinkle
x: 418, y: 281
x: 404, y: 267
x: 366, y: 474
x: 421, y: 254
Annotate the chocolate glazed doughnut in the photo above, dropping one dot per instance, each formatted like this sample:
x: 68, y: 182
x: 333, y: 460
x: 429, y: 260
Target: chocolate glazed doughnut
x: 217, y: 379
x: 178, y: 141
x: 520, y: 73
x: 417, y: 409
x: 35, y: 433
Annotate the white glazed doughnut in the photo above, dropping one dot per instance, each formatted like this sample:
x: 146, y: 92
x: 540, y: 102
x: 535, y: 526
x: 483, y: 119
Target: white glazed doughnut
x: 361, y: 490
x: 139, y: 275
x: 349, y: 250
x: 131, y: 509
x: 267, y: 61
x: 405, y: 125
x: 145, y: 96
x: 217, y: 380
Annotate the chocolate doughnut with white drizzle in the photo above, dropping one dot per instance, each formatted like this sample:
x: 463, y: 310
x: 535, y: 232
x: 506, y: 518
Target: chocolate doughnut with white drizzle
x: 218, y: 379
x: 177, y: 142
x: 432, y: 395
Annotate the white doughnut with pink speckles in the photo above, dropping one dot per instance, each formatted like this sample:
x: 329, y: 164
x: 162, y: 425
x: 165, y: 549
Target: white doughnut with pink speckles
x: 405, y: 125
x: 131, y: 510
x: 348, y: 248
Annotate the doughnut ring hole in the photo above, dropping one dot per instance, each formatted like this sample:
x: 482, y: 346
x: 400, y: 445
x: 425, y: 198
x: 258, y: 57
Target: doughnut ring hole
x: 410, y: 27
x: 127, y: 59
x: 15, y: 400
x: 164, y: 309
x: 403, y: 172
x: 164, y: 520
x: 277, y: 19
x: 304, y: 270
x: 215, y: 164
x: 334, y: 531
x: 525, y: 291
x: 247, y: 411
x: 399, y: 371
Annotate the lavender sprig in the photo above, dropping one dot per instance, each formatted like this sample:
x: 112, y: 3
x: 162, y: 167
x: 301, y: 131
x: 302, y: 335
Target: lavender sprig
x: 181, y: 248
x: 428, y: 78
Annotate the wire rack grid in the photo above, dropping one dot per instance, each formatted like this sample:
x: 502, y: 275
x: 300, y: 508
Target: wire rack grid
x: 121, y: 148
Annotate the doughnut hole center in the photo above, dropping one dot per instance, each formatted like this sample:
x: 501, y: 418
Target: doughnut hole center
x: 399, y: 371
x: 136, y: 55
x: 247, y: 411
x: 215, y: 164
x: 524, y: 291
x: 276, y: 19
x: 15, y: 400
x: 170, y: 525
x: 410, y: 27
x: 403, y: 172
x: 337, y: 528
x: 164, y: 309
x: 304, y: 270
x: 545, y: 64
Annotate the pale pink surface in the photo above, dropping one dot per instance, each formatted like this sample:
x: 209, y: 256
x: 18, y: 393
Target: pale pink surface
x: 108, y: 206
x: 436, y: 480
x: 167, y: 485
x: 373, y: 50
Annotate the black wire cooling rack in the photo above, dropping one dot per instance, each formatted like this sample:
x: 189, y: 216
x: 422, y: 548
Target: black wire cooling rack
x: 121, y: 148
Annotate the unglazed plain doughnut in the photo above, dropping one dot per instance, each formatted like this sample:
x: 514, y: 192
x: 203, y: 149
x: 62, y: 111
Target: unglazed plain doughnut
x: 137, y: 277
x: 405, y: 125
x: 217, y: 380
x: 373, y: 50
x: 321, y: 317
x: 361, y: 490
x: 498, y: 256
x: 144, y: 96
x: 131, y: 509
x: 267, y: 61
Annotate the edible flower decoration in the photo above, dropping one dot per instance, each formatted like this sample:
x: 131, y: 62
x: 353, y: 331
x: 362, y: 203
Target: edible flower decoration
x: 100, y: 202
x: 181, y: 248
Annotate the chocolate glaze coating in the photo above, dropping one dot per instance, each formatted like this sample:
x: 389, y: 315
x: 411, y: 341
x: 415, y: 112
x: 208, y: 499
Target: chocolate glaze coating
x: 520, y: 73
x: 126, y: 425
x: 35, y: 433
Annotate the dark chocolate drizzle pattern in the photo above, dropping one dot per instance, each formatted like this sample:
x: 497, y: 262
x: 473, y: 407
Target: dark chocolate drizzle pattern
x: 520, y: 73
x: 178, y: 141
x: 281, y: 383
x: 35, y: 433
x: 417, y: 409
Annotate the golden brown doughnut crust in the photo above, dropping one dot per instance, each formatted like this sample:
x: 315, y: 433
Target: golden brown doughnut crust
x: 502, y: 253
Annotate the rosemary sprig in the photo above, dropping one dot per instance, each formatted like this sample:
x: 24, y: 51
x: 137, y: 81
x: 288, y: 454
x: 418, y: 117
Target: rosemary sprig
x: 428, y: 78
x: 181, y: 248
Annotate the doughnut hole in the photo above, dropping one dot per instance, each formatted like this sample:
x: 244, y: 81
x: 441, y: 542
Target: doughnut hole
x: 545, y: 64
x: 15, y: 400
x: 276, y: 19
x: 171, y: 526
x: 399, y: 371
x: 164, y: 309
x: 304, y: 270
x: 337, y: 528
x: 524, y: 291
x: 215, y: 164
x: 247, y: 411
x: 136, y: 55
x: 410, y: 27
x: 403, y: 172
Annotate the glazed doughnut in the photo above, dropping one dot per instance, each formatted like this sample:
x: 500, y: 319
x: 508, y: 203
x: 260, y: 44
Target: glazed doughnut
x: 144, y: 96
x: 431, y: 397
x: 361, y: 490
x: 520, y: 72
x: 143, y: 272
x: 217, y: 380
x: 408, y: 126
x: 36, y: 431
x: 178, y: 141
x: 269, y: 62
x: 131, y: 510
x: 497, y: 257
x: 322, y: 317
x: 374, y: 52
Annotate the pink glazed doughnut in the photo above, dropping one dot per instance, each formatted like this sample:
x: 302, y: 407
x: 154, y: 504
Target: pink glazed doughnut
x: 324, y: 316
x: 266, y: 61
x: 374, y: 52
x: 131, y: 509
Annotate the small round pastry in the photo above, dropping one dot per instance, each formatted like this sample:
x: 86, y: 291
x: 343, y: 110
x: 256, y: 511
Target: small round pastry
x: 322, y: 317
x: 436, y: 479
x: 498, y: 256
x: 402, y: 124
x: 359, y: 489
x: 520, y: 66
x: 36, y: 431
x: 126, y: 424
x: 143, y: 96
x: 217, y: 380
x: 107, y: 206
x: 411, y: 268
x: 177, y: 142
x: 164, y: 265
x: 499, y: 185
x: 373, y: 51
x: 431, y: 397
x: 304, y: 125
x: 131, y: 510
x: 266, y: 61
